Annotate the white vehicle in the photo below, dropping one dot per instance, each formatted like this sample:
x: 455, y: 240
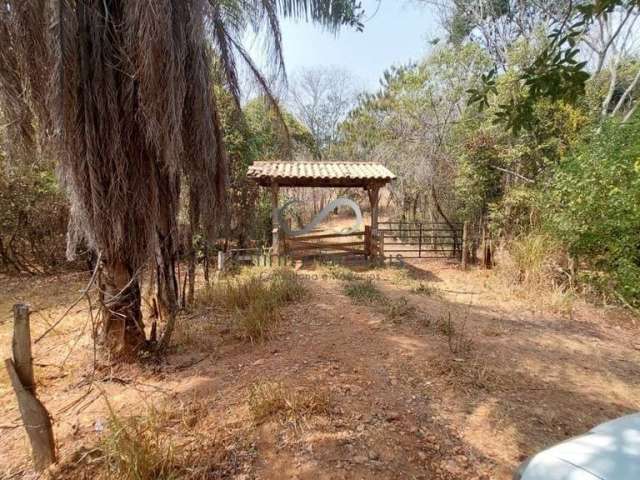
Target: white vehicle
x: 610, y: 451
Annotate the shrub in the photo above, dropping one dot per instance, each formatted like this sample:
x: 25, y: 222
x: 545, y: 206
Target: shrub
x: 593, y: 207
x: 33, y: 221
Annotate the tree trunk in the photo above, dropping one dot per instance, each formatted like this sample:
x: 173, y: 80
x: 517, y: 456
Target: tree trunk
x: 454, y: 233
x: 122, y: 327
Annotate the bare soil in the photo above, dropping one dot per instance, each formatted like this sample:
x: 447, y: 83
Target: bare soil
x: 465, y: 386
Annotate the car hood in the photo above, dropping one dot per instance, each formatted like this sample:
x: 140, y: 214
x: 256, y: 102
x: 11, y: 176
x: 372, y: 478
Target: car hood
x: 610, y: 451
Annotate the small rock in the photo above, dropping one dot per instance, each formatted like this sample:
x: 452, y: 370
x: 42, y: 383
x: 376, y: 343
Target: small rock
x: 422, y: 455
x: 259, y: 362
x: 360, y: 459
x: 373, y: 455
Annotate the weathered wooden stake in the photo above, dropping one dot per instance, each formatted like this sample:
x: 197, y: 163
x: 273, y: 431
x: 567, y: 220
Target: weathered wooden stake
x: 35, y: 417
x: 220, y: 261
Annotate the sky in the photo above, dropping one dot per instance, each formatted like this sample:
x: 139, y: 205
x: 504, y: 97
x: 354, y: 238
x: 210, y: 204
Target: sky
x: 395, y: 32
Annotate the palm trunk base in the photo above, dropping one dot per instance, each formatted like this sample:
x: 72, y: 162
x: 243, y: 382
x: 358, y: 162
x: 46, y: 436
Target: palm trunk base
x: 122, y: 326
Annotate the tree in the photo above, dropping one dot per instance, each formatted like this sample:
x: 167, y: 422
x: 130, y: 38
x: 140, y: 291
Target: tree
x: 495, y: 25
x: 410, y: 125
x: 321, y: 97
x: 121, y: 94
x: 605, y: 28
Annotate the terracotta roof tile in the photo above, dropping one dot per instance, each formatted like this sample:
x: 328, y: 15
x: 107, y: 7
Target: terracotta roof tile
x: 274, y: 171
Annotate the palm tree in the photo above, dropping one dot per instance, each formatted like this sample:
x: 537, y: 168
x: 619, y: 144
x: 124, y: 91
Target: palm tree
x: 120, y: 93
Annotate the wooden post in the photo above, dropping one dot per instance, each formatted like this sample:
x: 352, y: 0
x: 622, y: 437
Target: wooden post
x: 420, y: 242
x: 275, y: 239
x: 34, y: 415
x: 374, y: 198
x: 367, y: 241
x: 465, y: 248
x: 220, y: 261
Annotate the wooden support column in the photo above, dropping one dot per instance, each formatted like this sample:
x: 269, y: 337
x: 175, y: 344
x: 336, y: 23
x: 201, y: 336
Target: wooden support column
x: 275, y: 238
x: 374, y: 198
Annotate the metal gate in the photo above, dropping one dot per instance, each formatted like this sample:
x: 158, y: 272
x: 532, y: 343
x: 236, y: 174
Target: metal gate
x: 421, y: 239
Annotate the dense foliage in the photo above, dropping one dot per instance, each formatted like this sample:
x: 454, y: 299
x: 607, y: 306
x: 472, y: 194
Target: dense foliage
x: 593, y: 206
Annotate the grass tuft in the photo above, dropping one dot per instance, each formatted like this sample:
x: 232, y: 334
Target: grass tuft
x: 340, y: 272
x: 274, y: 399
x: 363, y: 292
x: 137, y: 448
x: 421, y: 288
x: 396, y: 310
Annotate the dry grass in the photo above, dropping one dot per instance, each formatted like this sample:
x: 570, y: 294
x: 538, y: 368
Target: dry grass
x: 275, y: 400
x: 472, y: 373
x: 138, y: 448
x: 363, y: 292
x: 195, y: 333
x: 340, y: 272
x: 422, y: 288
x: 534, y: 269
x: 397, y: 309
x: 253, y: 299
x: 407, y: 279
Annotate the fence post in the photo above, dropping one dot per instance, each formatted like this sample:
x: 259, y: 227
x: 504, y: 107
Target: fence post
x: 35, y: 416
x: 367, y: 240
x: 220, y: 261
x: 465, y: 252
x: 420, y: 242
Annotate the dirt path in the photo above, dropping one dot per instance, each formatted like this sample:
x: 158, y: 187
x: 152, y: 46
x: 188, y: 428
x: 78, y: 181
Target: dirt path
x: 464, y: 386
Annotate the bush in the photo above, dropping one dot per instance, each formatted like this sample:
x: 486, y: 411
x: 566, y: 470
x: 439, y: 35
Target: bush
x: 593, y: 207
x: 33, y: 221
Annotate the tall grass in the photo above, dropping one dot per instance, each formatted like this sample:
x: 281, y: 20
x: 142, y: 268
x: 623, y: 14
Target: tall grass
x: 535, y: 267
x: 254, y: 299
x: 137, y: 448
